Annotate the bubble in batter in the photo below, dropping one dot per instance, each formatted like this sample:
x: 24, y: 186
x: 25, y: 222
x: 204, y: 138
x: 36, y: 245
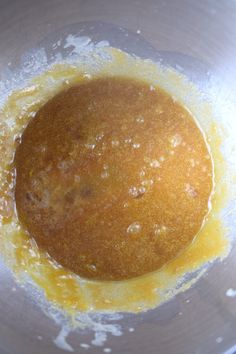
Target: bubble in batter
x: 113, y: 179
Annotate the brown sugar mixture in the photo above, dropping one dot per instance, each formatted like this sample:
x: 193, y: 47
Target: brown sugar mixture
x: 113, y: 178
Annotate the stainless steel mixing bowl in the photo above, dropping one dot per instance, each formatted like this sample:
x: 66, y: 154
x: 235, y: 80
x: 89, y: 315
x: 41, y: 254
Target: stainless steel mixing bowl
x: 199, y: 36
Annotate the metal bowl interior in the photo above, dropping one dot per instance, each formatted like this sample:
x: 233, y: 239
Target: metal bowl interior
x: 199, y: 37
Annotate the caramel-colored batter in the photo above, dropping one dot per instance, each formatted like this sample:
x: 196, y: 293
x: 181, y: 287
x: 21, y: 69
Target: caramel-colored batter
x: 113, y: 178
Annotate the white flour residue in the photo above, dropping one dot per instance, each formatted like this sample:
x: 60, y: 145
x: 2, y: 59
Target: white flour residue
x: 97, y: 323
x: 99, y: 339
x: 60, y: 340
x: 84, y: 345
x: 219, y: 340
x: 79, y: 50
x: 79, y: 44
x: 231, y: 293
x: 34, y: 63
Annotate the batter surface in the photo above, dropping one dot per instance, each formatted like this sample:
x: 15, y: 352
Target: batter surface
x: 113, y: 178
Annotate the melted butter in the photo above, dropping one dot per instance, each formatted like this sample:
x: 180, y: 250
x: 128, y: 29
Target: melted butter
x: 62, y: 287
x: 81, y: 222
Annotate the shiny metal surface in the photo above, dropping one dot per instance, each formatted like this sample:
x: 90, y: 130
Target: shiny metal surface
x: 200, y: 36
